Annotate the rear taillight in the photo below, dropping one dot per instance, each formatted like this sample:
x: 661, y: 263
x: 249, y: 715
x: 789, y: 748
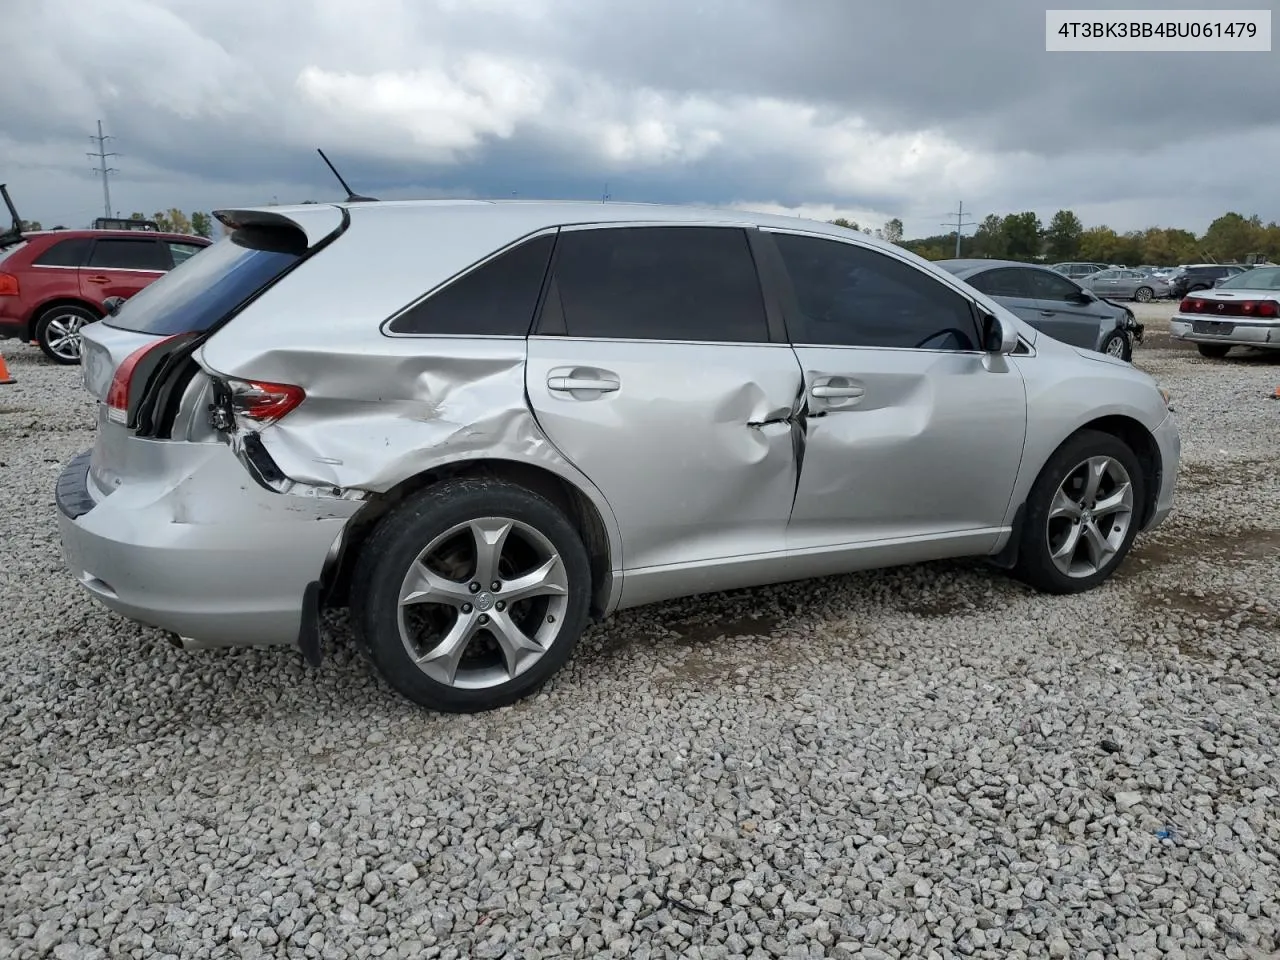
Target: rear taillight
x: 1189, y: 305
x: 8, y: 285
x: 261, y: 402
x: 118, y: 392
x: 1268, y: 308
x: 1231, y: 308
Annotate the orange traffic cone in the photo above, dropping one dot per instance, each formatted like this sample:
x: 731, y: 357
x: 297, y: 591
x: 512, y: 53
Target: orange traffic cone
x: 4, y: 372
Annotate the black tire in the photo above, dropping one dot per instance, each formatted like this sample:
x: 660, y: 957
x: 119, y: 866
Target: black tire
x: 1144, y: 294
x: 46, y: 331
x: 395, y: 544
x: 1213, y: 351
x: 1117, y: 345
x: 1035, y: 566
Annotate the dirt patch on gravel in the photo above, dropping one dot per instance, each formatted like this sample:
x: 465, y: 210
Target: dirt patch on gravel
x: 1202, y: 545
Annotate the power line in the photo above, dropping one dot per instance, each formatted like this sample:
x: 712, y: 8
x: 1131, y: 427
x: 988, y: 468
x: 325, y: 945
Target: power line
x: 959, y: 224
x: 102, y: 168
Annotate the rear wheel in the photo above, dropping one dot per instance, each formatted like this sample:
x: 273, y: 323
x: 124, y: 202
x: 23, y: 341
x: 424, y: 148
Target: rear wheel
x: 471, y: 594
x: 58, y: 332
x: 1082, y: 514
x: 1144, y: 294
x: 1214, y: 351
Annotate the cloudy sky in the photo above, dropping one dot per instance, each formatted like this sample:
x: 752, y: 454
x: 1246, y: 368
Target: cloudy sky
x: 864, y: 108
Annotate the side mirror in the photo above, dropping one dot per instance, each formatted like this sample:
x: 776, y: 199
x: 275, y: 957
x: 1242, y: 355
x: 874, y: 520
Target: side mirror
x: 1083, y: 296
x: 998, y: 336
x: 112, y: 305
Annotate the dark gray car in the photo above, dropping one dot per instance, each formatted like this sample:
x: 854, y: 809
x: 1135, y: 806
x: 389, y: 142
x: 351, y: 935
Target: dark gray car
x: 1053, y: 304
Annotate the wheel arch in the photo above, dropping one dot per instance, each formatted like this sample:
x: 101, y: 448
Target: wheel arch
x: 597, y: 529
x: 1133, y: 434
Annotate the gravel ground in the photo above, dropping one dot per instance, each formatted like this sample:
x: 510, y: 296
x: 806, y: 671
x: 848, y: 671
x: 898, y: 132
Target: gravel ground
x: 927, y: 762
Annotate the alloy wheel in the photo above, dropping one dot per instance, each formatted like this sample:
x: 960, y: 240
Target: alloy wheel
x: 483, y: 603
x: 62, y: 334
x: 1115, y: 347
x: 1089, y: 517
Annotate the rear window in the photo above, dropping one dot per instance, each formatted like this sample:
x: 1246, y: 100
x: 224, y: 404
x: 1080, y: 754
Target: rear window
x: 116, y: 254
x: 203, y: 290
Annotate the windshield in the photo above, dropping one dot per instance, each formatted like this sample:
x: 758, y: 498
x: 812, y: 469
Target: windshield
x: 1259, y: 278
x: 204, y: 289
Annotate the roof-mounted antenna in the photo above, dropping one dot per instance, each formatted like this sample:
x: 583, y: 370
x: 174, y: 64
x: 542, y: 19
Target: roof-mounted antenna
x: 351, y: 197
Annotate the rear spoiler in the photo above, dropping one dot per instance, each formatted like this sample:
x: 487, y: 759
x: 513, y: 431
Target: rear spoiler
x: 14, y: 233
x: 313, y: 221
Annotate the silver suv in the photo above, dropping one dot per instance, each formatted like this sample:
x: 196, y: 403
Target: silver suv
x: 479, y: 424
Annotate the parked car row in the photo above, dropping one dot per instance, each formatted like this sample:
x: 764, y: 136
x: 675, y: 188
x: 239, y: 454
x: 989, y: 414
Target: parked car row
x: 479, y: 424
x: 54, y: 282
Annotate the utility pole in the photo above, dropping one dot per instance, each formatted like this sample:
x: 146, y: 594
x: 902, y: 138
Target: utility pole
x: 102, y: 168
x: 959, y: 224
x: 604, y: 197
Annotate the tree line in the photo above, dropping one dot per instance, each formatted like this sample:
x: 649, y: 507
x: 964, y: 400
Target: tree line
x: 1022, y: 236
x: 199, y: 223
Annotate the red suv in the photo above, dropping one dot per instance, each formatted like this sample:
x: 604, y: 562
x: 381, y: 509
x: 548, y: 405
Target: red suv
x: 53, y: 283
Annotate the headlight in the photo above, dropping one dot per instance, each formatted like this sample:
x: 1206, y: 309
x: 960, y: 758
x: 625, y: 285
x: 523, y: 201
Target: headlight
x: 1168, y: 400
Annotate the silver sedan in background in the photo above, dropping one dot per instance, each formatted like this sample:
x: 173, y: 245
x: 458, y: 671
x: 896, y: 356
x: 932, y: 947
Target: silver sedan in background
x: 478, y: 425
x: 1126, y: 285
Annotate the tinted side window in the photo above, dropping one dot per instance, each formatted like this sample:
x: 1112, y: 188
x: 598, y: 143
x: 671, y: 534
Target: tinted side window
x: 1009, y: 282
x: 65, y: 253
x: 121, y: 254
x: 851, y: 296
x: 496, y: 299
x: 183, y: 251
x: 656, y: 283
x: 1047, y: 285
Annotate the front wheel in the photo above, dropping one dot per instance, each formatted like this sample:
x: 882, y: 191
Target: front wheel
x: 1213, y: 351
x: 58, y: 332
x: 471, y: 594
x: 1082, y: 514
x: 1117, y: 345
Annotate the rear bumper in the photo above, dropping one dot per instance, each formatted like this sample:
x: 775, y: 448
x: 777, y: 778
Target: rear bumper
x: 1231, y: 331
x: 212, y: 557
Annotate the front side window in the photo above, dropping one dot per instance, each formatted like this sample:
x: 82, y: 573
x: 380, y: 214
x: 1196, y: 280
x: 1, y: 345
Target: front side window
x: 122, y: 254
x: 496, y: 299
x: 656, y: 283
x: 852, y: 296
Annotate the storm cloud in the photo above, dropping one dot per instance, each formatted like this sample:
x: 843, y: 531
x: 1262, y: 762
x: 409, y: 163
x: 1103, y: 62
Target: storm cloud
x: 824, y: 107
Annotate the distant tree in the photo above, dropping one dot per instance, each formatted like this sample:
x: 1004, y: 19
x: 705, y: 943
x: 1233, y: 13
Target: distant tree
x: 201, y: 224
x: 137, y: 216
x: 847, y: 224
x: 30, y: 226
x: 893, y: 231
x: 1232, y: 237
x: 1099, y: 244
x: 989, y: 239
x: 1021, y: 235
x: 179, y: 222
x: 1167, y: 247
x: 1063, y: 236
x: 162, y: 221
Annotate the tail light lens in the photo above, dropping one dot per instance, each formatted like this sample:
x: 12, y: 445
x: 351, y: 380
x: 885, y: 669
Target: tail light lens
x: 122, y: 381
x: 261, y: 402
x: 8, y: 285
x: 1268, y: 308
x: 1189, y: 305
x: 1231, y: 308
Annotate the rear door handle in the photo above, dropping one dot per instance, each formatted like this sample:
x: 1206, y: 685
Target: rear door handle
x: 1047, y: 313
x: 565, y: 384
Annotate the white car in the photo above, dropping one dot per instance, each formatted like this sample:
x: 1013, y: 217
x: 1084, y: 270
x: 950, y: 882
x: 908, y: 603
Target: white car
x: 1242, y: 311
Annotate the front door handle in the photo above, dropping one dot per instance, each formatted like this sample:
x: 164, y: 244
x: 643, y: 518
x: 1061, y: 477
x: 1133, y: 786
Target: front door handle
x: 829, y: 392
x: 582, y: 383
x: 1047, y: 313
x: 99, y: 279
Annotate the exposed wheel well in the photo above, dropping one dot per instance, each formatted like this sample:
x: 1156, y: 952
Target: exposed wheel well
x: 565, y: 496
x: 45, y: 308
